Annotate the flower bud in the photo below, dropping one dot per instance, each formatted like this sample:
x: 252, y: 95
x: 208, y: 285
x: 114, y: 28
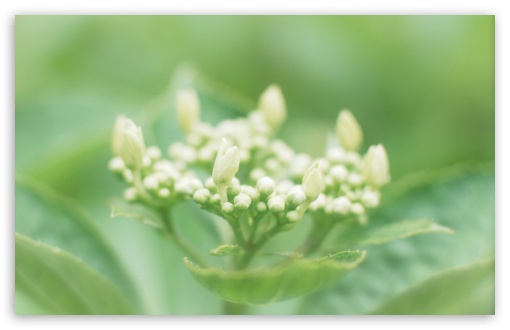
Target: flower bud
x: 375, y: 167
x: 227, y: 208
x: 313, y: 181
x: 348, y: 131
x: 188, y: 108
x: 265, y: 186
x: 341, y: 205
x: 201, y: 196
x: 357, y: 209
x: 276, y: 204
x: 226, y: 164
x: 242, y: 201
x: 130, y: 194
x: 272, y: 106
x: 164, y: 192
x: 132, y: 146
x: 151, y: 182
x: 121, y: 124
x: 116, y: 164
x: 295, y: 197
x: 339, y: 173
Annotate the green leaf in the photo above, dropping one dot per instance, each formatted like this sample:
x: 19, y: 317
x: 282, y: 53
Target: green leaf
x: 226, y: 250
x: 375, y: 234
x: 462, y: 201
x: 455, y: 291
x: 136, y: 212
x: 43, y: 215
x: 265, y: 285
x: 62, y: 283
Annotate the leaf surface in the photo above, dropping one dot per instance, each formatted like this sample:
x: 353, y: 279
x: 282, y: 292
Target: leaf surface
x: 53, y: 281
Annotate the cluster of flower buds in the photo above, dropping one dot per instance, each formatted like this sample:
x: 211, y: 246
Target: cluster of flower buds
x: 272, y: 179
x: 150, y: 178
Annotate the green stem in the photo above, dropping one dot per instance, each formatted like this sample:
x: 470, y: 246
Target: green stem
x: 317, y: 236
x: 230, y: 308
x: 185, y: 247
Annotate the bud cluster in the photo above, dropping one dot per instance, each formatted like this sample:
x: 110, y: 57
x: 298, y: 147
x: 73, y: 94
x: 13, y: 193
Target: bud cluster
x: 273, y: 179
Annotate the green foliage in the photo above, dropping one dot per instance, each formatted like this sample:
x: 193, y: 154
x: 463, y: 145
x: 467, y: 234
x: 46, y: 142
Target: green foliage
x: 463, y: 201
x: 52, y: 281
x: 403, y: 78
x: 226, y: 250
x: 293, y: 279
x: 43, y: 215
x: 463, y: 290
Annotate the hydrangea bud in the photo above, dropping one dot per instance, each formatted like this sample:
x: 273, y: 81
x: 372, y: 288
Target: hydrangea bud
x: 272, y: 106
x: 295, y: 196
x: 227, y: 208
x: 341, y: 205
x: 151, y: 182
x: 164, y: 192
x: 276, y: 204
x: 339, y: 173
x: 201, y: 196
x: 348, y: 131
x: 116, y: 164
x: 121, y: 124
x: 130, y: 194
x: 375, y: 167
x: 265, y: 186
x: 226, y: 164
x: 188, y: 109
x: 242, y: 201
x: 313, y: 181
x: 131, y: 145
x: 357, y: 209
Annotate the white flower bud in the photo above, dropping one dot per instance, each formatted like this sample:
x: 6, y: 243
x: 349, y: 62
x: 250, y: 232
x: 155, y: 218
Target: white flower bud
x: 357, y: 209
x: 261, y: 207
x: 284, y: 186
x: 319, y: 203
x: 335, y: 155
x: 226, y: 164
x: 130, y: 194
x: 188, y: 108
x: 215, y: 199
x: 227, y: 208
x: 129, y: 143
x: 195, y: 184
x: 257, y: 173
x: 348, y: 131
x: 272, y: 106
x: 338, y: 173
x: 116, y: 165
x: 370, y: 198
x: 128, y: 175
x: 250, y: 191
x: 292, y: 216
x: 354, y: 179
x: 341, y: 205
x: 242, y: 201
x: 151, y: 182
x: 154, y: 153
x: 272, y: 164
x: 164, y: 192
x: 121, y: 124
x: 183, y: 186
x: 201, y: 196
x: 265, y: 186
x: 375, y: 167
x: 295, y: 196
x: 276, y: 204
x: 313, y: 181
x: 209, y: 184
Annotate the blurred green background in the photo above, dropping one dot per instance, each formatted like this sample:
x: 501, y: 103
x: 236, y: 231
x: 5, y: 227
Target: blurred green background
x: 421, y: 85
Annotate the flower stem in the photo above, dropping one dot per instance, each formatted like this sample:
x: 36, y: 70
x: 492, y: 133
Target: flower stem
x: 183, y: 245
